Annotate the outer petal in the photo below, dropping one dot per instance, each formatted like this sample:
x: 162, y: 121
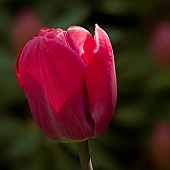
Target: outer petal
x: 101, y: 82
x: 81, y: 41
x: 53, y: 79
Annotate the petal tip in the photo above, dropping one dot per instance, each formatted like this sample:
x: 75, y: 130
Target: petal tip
x: 96, y: 25
x: 102, y: 40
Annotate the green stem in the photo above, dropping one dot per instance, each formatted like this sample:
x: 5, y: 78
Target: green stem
x: 84, y: 155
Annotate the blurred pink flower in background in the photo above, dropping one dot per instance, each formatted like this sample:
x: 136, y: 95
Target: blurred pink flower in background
x: 160, y: 43
x: 159, y: 145
x: 25, y: 26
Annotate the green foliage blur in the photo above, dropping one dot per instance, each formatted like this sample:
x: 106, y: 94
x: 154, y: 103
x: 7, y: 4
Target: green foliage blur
x: 143, y: 87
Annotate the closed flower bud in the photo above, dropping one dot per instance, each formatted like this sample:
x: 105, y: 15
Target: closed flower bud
x: 70, y: 82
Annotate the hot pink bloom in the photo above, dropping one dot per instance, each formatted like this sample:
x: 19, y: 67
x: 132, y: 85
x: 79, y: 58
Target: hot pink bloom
x: 70, y: 82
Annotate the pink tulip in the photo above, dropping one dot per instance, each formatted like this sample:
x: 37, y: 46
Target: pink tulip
x: 70, y: 82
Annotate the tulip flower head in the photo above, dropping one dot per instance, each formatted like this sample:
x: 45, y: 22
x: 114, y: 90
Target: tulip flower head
x: 70, y: 82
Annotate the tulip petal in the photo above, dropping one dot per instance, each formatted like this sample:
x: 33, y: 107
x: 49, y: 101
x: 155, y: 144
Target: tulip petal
x: 55, y: 88
x: 101, y: 82
x: 17, y: 69
x: 81, y: 41
x: 40, y: 107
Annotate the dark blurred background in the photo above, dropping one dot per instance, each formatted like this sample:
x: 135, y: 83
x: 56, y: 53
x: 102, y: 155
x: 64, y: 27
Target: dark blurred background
x: 138, y: 137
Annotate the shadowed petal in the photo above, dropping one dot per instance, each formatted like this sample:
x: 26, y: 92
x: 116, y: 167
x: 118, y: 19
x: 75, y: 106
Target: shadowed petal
x: 101, y: 82
x: 40, y: 107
